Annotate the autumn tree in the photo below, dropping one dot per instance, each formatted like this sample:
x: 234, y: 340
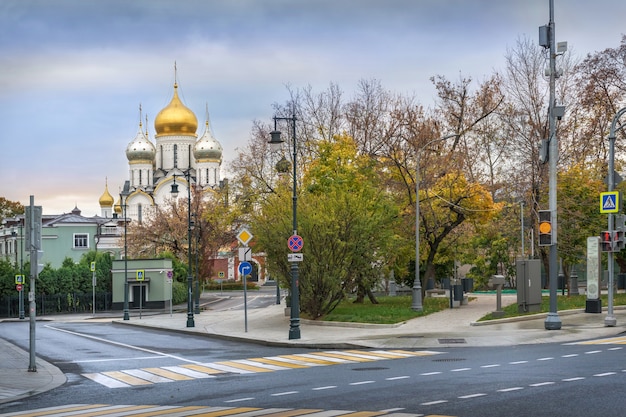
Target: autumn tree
x: 10, y: 208
x: 214, y: 224
x: 347, y: 222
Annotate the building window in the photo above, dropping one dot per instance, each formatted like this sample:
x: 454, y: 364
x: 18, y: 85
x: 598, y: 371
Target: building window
x: 81, y: 241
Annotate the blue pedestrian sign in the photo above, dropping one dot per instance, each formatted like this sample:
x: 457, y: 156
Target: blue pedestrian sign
x: 245, y: 268
x: 610, y: 202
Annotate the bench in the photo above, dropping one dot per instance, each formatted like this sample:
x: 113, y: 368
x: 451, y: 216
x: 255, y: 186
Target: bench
x: 435, y: 291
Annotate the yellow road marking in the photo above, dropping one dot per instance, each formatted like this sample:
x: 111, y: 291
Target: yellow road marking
x: 227, y: 412
x: 202, y: 368
x: 129, y: 379
x: 278, y: 363
x: 168, y: 374
x: 344, y: 356
x: 244, y: 366
x: 305, y: 359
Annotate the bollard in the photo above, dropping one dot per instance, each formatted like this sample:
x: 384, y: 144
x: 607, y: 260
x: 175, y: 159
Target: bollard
x: 497, y: 281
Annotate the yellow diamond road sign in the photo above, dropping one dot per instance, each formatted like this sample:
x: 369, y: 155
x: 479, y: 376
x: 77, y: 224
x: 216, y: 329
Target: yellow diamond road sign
x: 244, y: 236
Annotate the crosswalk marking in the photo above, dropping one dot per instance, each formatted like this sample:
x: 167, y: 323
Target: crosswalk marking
x: 280, y: 363
x: 108, y: 410
x: 189, y: 371
x: 308, y: 360
x: 202, y: 368
x: 246, y: 366
x: 166, y: 373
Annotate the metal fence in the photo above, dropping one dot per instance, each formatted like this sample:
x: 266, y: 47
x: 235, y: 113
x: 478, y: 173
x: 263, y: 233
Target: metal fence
x: 56, y: 304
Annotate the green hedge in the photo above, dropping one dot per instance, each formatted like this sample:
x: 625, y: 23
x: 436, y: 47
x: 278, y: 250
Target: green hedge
x: 229, y: 286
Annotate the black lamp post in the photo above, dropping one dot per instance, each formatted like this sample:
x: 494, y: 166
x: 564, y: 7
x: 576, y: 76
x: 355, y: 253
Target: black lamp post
x: 123, y: 197
x: 174, y: 192
x: 276, y: 142
x: 197, y: 270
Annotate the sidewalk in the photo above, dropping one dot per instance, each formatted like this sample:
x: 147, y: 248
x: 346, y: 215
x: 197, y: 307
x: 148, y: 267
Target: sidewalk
x: 270, y: 326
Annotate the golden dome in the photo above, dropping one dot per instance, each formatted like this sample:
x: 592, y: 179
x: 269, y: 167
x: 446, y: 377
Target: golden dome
x: 106, y: 200
x: 118, y: 207
x: 175, y: 119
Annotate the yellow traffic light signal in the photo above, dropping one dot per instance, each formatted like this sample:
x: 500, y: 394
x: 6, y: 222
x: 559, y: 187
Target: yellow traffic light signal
x: 545, y: 228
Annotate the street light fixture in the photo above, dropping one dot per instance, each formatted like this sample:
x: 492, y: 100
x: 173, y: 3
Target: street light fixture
x: 174, y: 192
x: 417, y: 283
x: 123, y: 200
x: 275, y: 144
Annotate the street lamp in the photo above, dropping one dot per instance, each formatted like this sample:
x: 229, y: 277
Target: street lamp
x: 275, y: 143
x: 174, y: 192
x: 417, y: 283
x: 196, y: 309
x: 123, y: 197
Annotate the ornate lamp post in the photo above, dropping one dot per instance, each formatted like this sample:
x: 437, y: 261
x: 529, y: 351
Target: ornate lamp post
x: 174, y: 192
x: 416, y: 304
x: 275, y: 143
x: 123, y: 197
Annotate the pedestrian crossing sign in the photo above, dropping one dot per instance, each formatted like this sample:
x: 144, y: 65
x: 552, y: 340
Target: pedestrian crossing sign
x: 610, y: 202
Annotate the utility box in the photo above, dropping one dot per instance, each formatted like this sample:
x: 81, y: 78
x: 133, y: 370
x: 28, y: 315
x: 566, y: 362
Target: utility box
x: 528, y: 286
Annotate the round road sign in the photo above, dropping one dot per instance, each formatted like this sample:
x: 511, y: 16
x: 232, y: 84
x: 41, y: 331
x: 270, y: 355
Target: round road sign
x: 18, y: 287
x: 295, y: 243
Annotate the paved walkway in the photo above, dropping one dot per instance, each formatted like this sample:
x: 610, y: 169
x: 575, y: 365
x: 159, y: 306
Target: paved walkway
x: 270, y: 326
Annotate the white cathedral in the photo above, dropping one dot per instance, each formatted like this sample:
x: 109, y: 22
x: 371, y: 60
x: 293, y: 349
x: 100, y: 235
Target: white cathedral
x: 176, y: 156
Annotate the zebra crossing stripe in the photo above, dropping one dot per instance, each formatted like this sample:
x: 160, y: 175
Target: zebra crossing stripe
x: 292, y: 413
x: 187, y: 372
x: 124, y: 377
x: 260, y: 364
x: 282, y: 363
x: 190, y: 371
x: 328, y: 357
x: 169, y: 374
x: 168, y: 409
x: 356, y: 356
x: 245, y: 366
x: 202, y: 368
x: 107, y: 381
x: 109, y: 410
x: 309, y: 361
x: 227, y: 412
x: 146, y: 375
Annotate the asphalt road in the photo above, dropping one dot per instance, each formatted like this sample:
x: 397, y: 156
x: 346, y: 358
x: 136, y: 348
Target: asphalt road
x: 112, y: 364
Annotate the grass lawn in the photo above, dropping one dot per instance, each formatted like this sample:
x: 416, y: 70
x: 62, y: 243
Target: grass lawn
x: 563, y: 303
x: 392, y: 310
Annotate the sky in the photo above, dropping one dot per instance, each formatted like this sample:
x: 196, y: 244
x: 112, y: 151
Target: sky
x: 73, y: 73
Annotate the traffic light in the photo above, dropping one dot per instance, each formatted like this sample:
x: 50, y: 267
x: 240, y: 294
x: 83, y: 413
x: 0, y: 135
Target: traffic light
x: 606, y: 240
x: 618, y: 235
x: 545, y: 228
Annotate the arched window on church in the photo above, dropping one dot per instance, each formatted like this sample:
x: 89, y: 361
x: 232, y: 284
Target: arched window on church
x: 139, y: 213
x: 140, y: 178
x: 175, y: 156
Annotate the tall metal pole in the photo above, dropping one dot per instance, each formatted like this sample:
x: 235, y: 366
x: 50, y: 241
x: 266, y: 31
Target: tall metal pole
x: 294, y: 326
x: 610, y: 319
x: 190, y: 320
x: 294, y: 322
x: 197, y: 269
x: 521, y: 214
x: 553, y: 322
x: 21, y: 295
x: 34, y: 262
x: 416, y: 304
x: 124, y: 201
